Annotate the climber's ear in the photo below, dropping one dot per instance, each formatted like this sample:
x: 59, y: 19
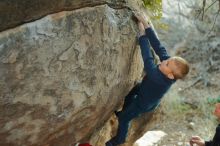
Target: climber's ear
x: 170, y: 76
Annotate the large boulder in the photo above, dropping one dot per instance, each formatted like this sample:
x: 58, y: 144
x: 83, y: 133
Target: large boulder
x: 14, y: 12
x: 62, y: 76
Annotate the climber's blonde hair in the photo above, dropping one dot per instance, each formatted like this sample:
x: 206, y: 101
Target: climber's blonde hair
x: 183, y: 67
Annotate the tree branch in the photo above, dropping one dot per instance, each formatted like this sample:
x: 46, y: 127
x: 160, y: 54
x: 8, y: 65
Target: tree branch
x: 218, y: 5
x: 203, y: 8
x: 211, y: 5
x: 216, y: 16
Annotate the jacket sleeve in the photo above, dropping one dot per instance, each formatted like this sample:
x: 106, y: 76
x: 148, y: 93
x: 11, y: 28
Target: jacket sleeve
x: 156, y: 45
x: 216, y: 139
x: 148, y: 59
x: 208, y: 143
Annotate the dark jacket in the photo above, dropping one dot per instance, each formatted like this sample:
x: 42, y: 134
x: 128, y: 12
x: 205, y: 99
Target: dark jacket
x: 216, y: 139
x: 155, y: 84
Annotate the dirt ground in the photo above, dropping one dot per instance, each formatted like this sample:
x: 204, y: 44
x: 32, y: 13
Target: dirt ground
x: 181, y: 122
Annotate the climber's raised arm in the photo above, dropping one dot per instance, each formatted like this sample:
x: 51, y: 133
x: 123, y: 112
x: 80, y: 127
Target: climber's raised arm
x: 153, y: 39
x: 149, y: 66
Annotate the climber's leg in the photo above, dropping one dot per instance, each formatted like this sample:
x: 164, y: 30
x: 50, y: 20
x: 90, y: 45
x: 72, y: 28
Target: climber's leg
x: 124, y: 118
x: 130, y: 98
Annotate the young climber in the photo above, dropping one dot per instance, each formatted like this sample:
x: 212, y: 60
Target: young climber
x: 147, y: 95
x: 216, y: 140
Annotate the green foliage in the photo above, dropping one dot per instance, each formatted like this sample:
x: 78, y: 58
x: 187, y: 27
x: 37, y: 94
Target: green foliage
x: 213, y: 100
x: 155, y: 6
x: 161, y: 25
x: 178, y: 106
x: 175, y: 106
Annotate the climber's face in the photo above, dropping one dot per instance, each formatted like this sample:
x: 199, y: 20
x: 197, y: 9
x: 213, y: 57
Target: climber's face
x: 168, y: 68
x: 217, y: 110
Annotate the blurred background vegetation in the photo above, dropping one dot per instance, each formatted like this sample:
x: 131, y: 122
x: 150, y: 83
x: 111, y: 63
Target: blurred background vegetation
x: 154, y: 6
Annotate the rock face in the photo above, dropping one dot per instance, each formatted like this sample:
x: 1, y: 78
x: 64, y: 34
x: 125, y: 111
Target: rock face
x: 138, y: 127
x: 62, y: 76
x: 14, y: 12
x: 150, y: 138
